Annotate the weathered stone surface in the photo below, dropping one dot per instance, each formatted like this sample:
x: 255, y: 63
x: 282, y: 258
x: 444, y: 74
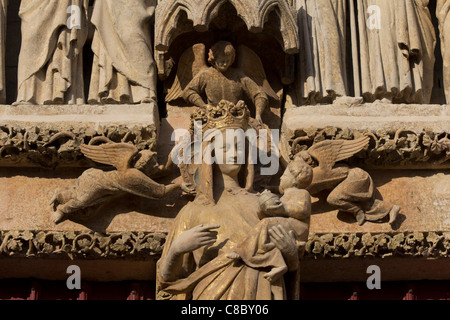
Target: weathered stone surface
x: 50, y: 136
x: 402, y: 136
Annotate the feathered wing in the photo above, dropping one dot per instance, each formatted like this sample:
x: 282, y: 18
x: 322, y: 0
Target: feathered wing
x: 191, y: 62
x: 250, y: 63
x: 328, y: 152
x: 118, y: 155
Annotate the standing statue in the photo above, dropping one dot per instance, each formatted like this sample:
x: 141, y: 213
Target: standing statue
x: 95, y: 185
x: 51, y: 56
x: 443, y: 13
x: 3, y: 18
x: 123, y: 70
x: 397, y: 43
x: 195, y: 81
x: 350, y: 189
x: 198, y: 261
x: 322, y: 67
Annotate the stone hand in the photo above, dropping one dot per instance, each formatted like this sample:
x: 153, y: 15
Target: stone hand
x: 284, y: 241
x: 195, y: 238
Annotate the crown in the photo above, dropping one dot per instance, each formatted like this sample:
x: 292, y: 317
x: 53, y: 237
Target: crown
x: 225, y: 115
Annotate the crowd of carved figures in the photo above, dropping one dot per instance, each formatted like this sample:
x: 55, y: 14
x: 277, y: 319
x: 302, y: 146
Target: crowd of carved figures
x: 392, y: 53
x: 236, y: 239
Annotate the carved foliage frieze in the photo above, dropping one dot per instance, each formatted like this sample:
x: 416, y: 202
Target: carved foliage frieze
x: 387, y: 148
x: 148, y: 245
x: 50, y: 147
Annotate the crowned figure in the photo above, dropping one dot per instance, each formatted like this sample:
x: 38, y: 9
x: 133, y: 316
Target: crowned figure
x: 196, y: 261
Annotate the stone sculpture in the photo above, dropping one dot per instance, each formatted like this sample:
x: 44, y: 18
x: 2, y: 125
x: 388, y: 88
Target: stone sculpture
x: 95, y: 186
x: 443, y: 13
x: 292, y: 211
x: 397, y: 43
x: 321, y: 72
x: 124, y: 70
x: 195, y: 263
x: 51, y: 61
x: 351, y: 189
x: 195, y: 81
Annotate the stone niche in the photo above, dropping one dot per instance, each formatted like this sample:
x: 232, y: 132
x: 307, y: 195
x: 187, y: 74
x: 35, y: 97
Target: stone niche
x: 408, y: 158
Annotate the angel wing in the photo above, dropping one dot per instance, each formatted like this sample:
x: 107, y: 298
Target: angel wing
x: 191, y: 62
x: 118, y: 155
x: 250, y: 63
x: 328, y: 152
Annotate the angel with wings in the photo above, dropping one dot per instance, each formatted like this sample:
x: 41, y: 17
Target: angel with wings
x: 351, y: 189
x: 132, y: 174
x: 201, y: 85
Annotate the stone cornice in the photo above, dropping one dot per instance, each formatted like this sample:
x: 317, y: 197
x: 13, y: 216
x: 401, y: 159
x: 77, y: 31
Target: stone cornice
x: 148, y: 245
x: 394, y: 148
x: 49, y: 147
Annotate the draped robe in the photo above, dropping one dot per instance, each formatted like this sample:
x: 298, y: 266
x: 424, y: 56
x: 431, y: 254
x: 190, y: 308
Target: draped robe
x: 396, y: 59
x: 322, y: 63
x: 207, y: 273
x: 443, y: 13
x: 50, y: 67
x: 123, y: 70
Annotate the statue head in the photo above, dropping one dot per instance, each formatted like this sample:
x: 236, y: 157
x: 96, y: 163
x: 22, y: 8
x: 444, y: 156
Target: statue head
x: 222, y: 55
x: 298, y: 174
x: 217, y: 124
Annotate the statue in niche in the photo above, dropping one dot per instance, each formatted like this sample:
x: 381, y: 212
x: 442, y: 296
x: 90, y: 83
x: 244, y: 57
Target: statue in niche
x: 201, y: 85
x: 199, y: 258
x: 3, y: 18
x: 351, y: 189
x: 397, y: 43
x: 50, y: 67
x: 322, y: 66
x: 443, y: 14
x: 123, y: 70
x: 95, y: 186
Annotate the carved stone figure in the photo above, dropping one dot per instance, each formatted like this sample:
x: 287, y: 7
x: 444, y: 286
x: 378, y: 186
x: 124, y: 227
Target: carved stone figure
x: 3, y: 17
x: 292, y: 211
x: 51, y: 61
x: 123, y: 70
x: 200, y: 85
x: 195, y: 263
x: 397, y: 41
x: 351, y: 189
x: 322, y: 74
x: 94, y: 186
x: 443, y: 13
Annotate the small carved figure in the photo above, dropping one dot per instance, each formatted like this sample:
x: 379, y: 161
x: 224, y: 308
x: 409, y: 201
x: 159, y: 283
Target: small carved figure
x: 94, y: 186
x: 195, y: 81
x: 351, y: 189
x: 292, y: 211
